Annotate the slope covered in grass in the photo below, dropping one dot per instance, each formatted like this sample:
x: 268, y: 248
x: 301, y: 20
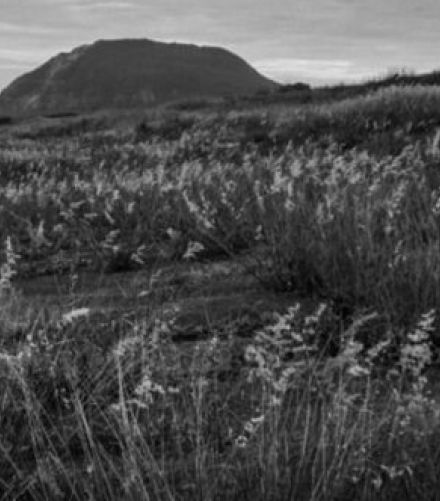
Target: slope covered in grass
x: 276, y: 335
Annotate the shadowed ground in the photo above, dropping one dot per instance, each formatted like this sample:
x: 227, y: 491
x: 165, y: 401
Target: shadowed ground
x: 200, y: 297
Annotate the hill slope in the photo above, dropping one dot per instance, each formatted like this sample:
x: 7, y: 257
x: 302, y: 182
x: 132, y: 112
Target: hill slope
x: 128, y: 73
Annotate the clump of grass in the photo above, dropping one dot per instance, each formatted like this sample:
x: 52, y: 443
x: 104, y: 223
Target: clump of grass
x: 350, y: 228
x: 8, y: 268
x: 152, y: 420
x: 12, y: 314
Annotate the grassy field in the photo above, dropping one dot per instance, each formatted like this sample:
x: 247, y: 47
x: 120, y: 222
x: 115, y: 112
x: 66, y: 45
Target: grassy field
x: 223, y: 304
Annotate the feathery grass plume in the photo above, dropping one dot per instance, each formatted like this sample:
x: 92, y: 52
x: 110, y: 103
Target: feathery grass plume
x: 8, y: 269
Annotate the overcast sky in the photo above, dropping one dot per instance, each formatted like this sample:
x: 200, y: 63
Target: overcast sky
x: 318, y: 41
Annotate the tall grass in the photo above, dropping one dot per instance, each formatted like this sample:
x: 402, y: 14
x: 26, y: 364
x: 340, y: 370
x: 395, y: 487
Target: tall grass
x: 325, y: 402
x: 352, y: 228
x: 386, y: 115
x: 151, y: 420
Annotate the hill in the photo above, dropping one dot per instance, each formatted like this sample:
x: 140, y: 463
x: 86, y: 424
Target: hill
x: 129, y: 73
x: 302, y: 93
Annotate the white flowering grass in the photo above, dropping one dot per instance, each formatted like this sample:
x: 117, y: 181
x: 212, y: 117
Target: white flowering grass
x: 152, y: 420
x: 71, y: 316
x: 8, y: 268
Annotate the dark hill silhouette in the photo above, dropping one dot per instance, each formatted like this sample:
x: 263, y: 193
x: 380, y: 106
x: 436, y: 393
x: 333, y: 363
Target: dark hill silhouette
x: 129, y: 73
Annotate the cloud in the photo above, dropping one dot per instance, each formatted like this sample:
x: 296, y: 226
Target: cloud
x: 12, y: 66
x: 112, y: 5
x: 312, y: 70
x: 24, y: 56
x: 8, y: 28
